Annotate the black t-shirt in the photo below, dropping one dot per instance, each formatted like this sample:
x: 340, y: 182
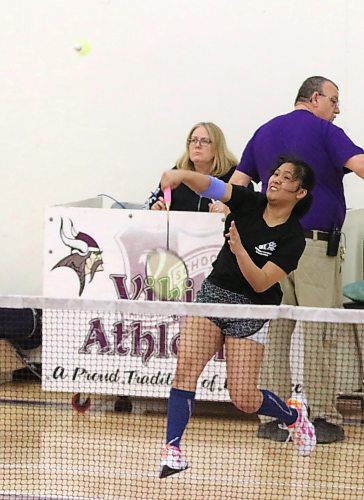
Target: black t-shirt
x: 282, y: 244
x: 184, y: 199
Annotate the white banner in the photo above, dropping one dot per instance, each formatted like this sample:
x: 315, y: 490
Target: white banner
x: 101, y: 254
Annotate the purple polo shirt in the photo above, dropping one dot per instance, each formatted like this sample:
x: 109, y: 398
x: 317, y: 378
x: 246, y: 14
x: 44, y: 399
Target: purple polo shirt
x: 321, y: 144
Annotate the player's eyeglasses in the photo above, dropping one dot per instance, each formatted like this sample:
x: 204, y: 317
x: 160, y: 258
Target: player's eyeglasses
x: 335, y: 101
x: 203, y: 142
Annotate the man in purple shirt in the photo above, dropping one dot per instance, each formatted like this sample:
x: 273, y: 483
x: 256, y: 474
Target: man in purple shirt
x: 308, y: 133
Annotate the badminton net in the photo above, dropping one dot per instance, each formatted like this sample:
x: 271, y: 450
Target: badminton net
x: 84, y: 389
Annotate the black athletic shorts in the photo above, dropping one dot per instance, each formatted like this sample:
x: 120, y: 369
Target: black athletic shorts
x: 233, y: 327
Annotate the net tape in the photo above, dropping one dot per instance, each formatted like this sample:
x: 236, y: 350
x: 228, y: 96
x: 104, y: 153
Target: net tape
x: 161, y: 308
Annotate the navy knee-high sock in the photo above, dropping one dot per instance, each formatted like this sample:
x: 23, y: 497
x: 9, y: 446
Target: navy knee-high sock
x: 180, y: 408
x: 273, y: 406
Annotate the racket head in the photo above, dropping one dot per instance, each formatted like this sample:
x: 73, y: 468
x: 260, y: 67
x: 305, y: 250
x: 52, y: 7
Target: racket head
x: 167, y: 274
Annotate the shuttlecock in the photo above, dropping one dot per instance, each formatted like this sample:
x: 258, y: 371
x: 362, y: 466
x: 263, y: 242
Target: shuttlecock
x: 83, y: 48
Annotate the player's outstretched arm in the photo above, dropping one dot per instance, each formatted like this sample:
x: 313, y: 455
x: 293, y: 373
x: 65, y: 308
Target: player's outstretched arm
x: 205, y: 185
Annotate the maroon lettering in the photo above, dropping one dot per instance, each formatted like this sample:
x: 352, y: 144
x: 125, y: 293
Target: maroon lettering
x: 174, y: 344
x: 120, y: 335
x: 143, y: 343
x: 220, y: 355
x: 119, y: 281
x: 148, y: 287
x: 189, y: 292
x: 134, y: 340
x: 96, y: 336
x: 162, y: 351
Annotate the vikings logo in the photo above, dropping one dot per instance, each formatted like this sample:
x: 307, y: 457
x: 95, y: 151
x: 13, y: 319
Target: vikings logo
x: 85, y: 257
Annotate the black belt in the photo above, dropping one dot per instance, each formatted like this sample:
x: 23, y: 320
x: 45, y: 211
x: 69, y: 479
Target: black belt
x: 319, y: 235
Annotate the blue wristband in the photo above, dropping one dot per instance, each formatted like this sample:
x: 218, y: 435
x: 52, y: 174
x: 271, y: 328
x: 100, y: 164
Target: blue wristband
x: 216, y: 189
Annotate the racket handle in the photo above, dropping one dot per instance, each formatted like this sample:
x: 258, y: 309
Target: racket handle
x: 167, y: 194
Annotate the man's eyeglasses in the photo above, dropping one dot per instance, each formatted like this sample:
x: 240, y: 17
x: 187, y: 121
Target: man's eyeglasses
x: 203, y: 142
x: 335, y: 101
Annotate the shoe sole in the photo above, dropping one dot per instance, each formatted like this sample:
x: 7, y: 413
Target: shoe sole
x: 276, y: 437
x: 284, y: 439
x: 329, y: 441
x: 168, y: 471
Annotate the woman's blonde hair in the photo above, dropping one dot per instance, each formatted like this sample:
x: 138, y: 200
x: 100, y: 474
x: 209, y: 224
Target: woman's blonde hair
x: 223, y: 159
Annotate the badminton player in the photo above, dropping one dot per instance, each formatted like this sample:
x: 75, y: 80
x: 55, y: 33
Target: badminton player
x: 263, y: 243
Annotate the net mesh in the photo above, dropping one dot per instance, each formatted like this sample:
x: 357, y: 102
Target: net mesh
x: 84, y: 389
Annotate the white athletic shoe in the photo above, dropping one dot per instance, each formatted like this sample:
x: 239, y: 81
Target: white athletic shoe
x: 172, y: 461
x: 302, y: 432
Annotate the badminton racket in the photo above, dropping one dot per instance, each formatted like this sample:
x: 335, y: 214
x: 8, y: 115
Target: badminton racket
x: 167, y: 194
x: 166, y: 271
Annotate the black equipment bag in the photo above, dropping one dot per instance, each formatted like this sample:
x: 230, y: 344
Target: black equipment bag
x: 22, y: 327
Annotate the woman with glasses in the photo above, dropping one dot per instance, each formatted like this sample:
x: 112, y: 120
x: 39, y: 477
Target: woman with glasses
x: 207, y: 153
x: 263, y: 243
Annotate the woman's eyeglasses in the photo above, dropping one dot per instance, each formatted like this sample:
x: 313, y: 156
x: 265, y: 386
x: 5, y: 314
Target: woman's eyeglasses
x: 203, y: 142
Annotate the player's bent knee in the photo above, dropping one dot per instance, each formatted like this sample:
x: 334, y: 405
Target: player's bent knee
x: 245, y: 404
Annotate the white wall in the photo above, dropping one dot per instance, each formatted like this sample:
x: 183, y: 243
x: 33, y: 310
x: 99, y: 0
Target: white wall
x: 74, y: 126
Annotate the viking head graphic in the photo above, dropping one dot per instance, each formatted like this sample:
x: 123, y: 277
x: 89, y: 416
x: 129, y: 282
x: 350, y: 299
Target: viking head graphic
x: 85, y: 257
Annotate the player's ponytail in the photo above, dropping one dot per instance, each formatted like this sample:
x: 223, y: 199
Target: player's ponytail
x: 303, y: 206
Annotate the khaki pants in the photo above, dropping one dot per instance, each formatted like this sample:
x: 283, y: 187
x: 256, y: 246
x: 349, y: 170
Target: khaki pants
x: 315, y: 283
